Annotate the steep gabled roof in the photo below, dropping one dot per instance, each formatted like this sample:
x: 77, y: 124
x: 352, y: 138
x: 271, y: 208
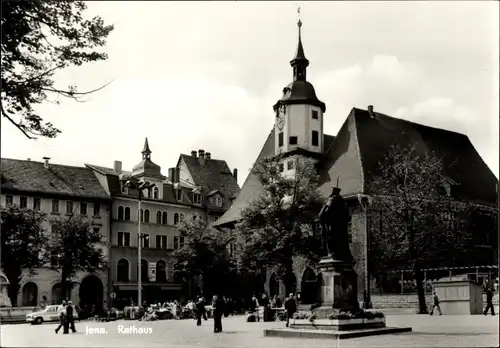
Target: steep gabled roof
x: 463, y: 164
x: 212, y: 175
x: 363, y: 141
x: 33, y: 177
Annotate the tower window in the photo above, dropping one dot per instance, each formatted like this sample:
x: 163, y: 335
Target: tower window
x: 281, y: 167
x: 289, y: 165
x: 315, y: 138
x: 280, y: 139
x: 293, y: 141
x: 315, y: 114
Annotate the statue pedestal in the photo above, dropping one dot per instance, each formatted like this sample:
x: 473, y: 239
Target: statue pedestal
x: 339, y: 289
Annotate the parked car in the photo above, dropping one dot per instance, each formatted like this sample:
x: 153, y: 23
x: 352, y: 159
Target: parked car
x: 48, y: 314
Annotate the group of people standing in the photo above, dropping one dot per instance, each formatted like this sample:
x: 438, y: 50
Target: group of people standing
x: 66, y: 313
x: 219, y: 308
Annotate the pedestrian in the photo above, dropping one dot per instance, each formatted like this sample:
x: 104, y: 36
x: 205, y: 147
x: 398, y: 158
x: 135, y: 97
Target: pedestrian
x: 70, y: 319
x: 200, y: 309
x: 489, y: 302
x: 204, y: 308
x: 61, y: 310
x: 436, y: 304
x: 217, y: 313
x: 290, y: 307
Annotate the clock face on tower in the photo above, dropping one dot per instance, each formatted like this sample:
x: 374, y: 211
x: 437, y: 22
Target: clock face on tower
x: 281, y: 121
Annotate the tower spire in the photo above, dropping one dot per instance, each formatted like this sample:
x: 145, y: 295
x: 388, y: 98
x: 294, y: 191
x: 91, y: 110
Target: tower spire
x: 146, y: 152
x: 300, y: 62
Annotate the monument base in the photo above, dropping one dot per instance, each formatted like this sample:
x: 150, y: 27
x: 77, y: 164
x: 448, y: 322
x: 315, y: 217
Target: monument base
x: 327, y: 334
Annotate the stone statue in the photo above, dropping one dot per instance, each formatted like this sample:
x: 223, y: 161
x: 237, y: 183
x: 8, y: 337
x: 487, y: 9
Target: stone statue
x: 334, y: 218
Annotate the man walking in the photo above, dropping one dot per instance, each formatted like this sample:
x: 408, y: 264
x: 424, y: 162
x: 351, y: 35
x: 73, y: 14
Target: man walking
x: 200, y: 309
x: 217, y: 312
x: 489, y: 301
x: 436, y: 304
x: 61, y: 310
x: 290, y: 307
x: 70, y: 319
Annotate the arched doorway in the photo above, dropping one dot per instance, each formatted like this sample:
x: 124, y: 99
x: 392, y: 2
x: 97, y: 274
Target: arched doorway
x: 161, y: 271
x: 122, y: 270
x: 56, y: 294
x: 291, y: 284
x: 274, y: 287
x: 91, y: 293
x: 30, y: 294
x: 309, y: 287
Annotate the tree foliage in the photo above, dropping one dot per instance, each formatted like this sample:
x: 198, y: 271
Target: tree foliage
x: 413, y: 217
x: 75, y: 245
x: 23, y: 242
x: 38, y: 39
x: 278, y: 225
x: 204, y: 256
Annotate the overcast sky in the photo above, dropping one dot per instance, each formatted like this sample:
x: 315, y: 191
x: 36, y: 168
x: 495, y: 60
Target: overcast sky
x: 194, y: 75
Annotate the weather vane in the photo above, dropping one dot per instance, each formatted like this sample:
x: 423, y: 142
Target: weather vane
x: 298, y: 11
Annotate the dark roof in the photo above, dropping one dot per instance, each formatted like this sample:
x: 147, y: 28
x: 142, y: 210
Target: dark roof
x: 33, y: 177
x: 212, y: 175
x: 363, y: 141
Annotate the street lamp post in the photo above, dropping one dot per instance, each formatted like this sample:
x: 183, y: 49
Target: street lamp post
x: 139, y: 186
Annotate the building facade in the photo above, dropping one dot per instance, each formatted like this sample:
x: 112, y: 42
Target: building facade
x: 59, y: 191
x: 349, y: 160
x: 182, y: 195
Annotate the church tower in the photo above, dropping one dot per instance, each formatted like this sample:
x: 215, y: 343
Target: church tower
x: 299, y: 113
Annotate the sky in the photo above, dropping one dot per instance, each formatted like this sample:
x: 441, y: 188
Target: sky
x: 205, y: 75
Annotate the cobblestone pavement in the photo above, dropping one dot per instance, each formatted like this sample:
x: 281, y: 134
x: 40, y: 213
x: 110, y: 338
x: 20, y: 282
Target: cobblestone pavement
x: 435, y: 331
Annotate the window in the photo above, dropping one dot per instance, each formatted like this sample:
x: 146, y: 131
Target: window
x: 176, y: 242
x: 37, y: 203
x: 280, y: 139
x: 122, y: 272
x: 142, y: 215
x: 315, y: 114
x: 181, y: 218
x: 96, y: 230
x: 144, y: 240
x: 289, y: 165
x: 83, y: 208
x: 69, y: 207
x: 315, y: 138
x: 176, y: 219
x: 161, y: 274
x: 218, y: 201
x: 97, y: 209
x: 124, y: 188
x: 55, y: 206
x: 164, y: 218
x: 120, y: 213
x: 281, y: 167
x: 9, y: 200
x: 156, y: 193
x: 293, y: 140
x: 127, y: 214
x: 194, y: 217
x: 161, y: 242
x: 179, y: 194
x: 148, y: 194
x: 158, y: 217
x: 181, y: 241
x: 123, y: 239
x: 196, y: 198
x: 23, y: 203
x: 146, y: 215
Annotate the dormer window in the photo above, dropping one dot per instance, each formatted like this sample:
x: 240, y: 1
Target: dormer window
x: 156, y: 193
x: 124, y: 188
x: 218, y: 201
x: 197, y: 198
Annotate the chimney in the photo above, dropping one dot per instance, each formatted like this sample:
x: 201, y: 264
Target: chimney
x: 370, y: 110
x: 193, y: 153
x: 173, y: 175
x: 177, y: 175
x: 208, y: 155
x: 235, y: 174
x: 46, y: 164
x: 118, y: 167
x: 201, y: 155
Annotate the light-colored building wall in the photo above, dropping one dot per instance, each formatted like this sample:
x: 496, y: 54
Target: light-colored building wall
x: 45, y: 278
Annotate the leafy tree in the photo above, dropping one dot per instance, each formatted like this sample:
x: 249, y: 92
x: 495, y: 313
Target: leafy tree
x: 38, y: 39
x: 23, y: 241
x: 74, y: 245
x: 276, y: 229
x: 413, y: 217
x: 204, y: 256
